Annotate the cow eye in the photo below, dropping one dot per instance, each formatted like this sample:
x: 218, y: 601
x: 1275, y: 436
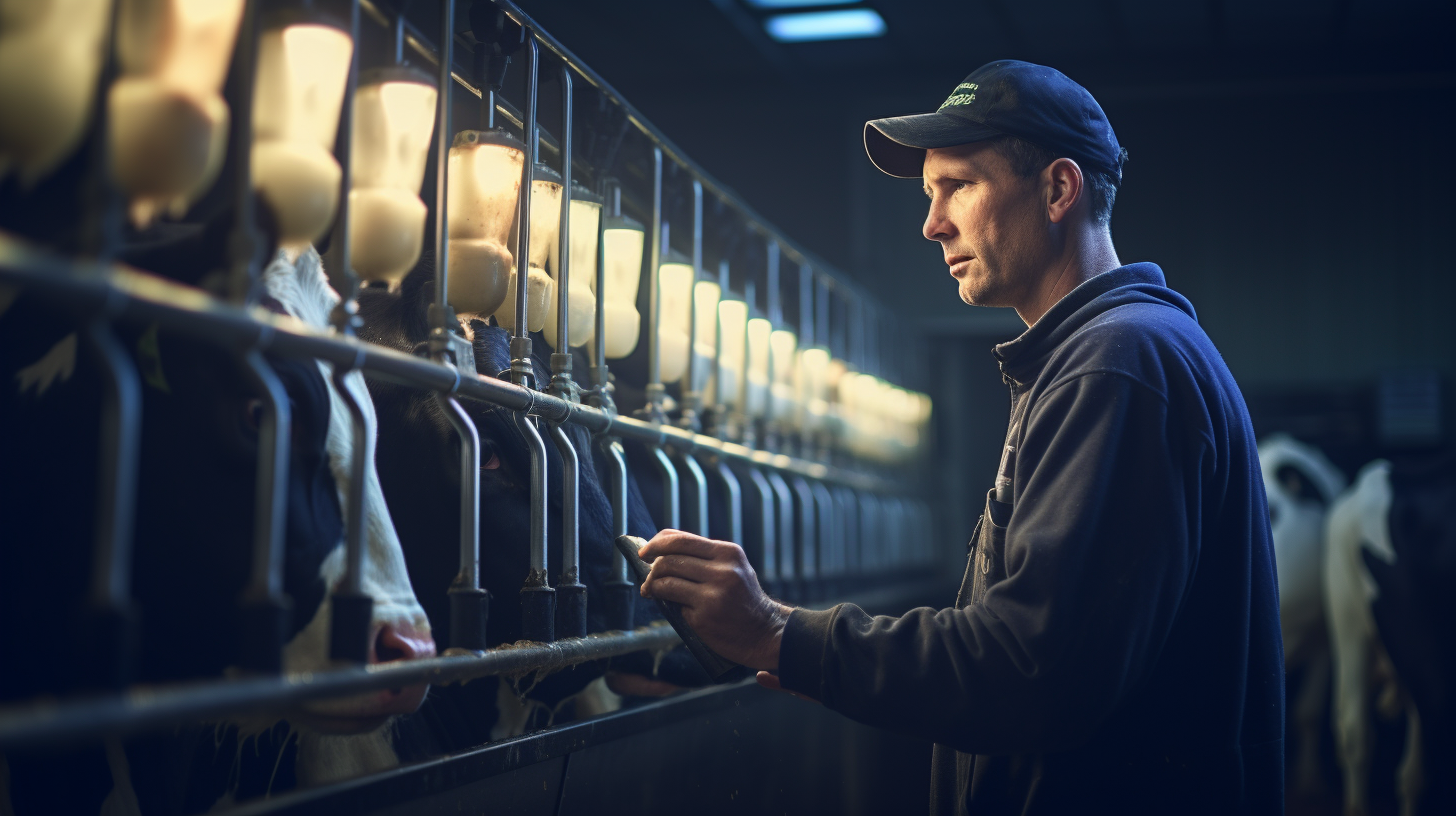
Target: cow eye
x: 489, y: 455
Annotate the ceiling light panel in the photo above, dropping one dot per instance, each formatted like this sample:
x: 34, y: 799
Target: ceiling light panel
x: 816, y: 26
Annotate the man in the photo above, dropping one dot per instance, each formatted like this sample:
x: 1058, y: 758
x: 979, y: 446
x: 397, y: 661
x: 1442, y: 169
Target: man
x: 1115, y: 644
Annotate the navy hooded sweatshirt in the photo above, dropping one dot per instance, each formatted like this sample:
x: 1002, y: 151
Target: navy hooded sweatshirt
x: 1115, y: 646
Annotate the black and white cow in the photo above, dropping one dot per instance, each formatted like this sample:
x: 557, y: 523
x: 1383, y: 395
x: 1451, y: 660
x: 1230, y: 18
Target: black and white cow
x: 1390, y: 575
x: 418, y: 458
x: 1300, y: 484
x: 193, y: 537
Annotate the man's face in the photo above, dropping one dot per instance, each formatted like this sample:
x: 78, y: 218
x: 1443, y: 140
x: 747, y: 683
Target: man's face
x: 991, y: 224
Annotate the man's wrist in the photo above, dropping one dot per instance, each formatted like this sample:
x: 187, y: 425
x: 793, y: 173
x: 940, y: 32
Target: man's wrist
x: 778, y: 618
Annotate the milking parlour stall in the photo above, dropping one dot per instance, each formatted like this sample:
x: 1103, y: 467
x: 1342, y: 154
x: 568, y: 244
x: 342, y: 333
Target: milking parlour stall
x: 341, y: 342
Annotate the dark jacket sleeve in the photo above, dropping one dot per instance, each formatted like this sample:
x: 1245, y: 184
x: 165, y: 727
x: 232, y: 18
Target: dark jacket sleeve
x: 1098, y: 551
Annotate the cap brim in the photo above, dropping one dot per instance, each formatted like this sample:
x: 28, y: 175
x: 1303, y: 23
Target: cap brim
x: 897, y: 145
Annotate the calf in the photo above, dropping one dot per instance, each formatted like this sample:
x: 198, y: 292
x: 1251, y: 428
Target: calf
x: 1300, y: 484
x: 1389, y: 572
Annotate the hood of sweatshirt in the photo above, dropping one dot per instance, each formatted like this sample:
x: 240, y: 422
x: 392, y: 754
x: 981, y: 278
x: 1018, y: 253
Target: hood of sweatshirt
x: 1023, y: 358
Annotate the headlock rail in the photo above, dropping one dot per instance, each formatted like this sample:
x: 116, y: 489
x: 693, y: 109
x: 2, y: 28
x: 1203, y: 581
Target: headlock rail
x: 813, y: 469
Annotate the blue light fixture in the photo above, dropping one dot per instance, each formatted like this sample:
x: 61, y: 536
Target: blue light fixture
x: 814, y: 26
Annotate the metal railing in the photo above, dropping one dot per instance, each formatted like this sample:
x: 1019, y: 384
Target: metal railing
x: 803, y: 523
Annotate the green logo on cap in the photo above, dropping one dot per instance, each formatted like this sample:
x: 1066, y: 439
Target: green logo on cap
x: 964, y: 94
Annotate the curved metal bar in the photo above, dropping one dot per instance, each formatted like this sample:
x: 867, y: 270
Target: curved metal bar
x: 871, y: 534
x: 538, y: 599
x: 671, y: 507
x: 112, y: 636
x: 353, y: 609
x: 803, y: 555
x: 692, y: 398
x: 265, y: 607
x: 787, y: 529
x: 697, y: 520
x: 763, y: 498
x: 570, y: 592
x: 847, y: 550
x: 619, y: 587
x: 830, y: 536
x: 733, y: 498
x: 469, y: 603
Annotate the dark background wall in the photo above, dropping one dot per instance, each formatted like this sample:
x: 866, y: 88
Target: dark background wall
x: 1289, y: 170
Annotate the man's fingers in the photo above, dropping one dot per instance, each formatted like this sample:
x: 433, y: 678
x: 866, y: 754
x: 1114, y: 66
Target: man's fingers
x: 678, y: 542
x: 677, y: 590
x: 697, y: 570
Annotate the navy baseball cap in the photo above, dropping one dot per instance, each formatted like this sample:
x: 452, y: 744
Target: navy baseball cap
x: 1001, y: 98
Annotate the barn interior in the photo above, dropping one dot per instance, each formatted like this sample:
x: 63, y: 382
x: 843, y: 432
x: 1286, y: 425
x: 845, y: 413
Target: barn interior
x: 1287, y: 170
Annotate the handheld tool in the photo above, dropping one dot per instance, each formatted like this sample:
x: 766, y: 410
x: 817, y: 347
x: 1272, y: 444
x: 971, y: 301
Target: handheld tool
x: 719, y: 668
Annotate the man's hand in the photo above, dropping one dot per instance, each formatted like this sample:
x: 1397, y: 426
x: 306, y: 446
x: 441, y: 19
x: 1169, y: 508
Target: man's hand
x: 719, y: 594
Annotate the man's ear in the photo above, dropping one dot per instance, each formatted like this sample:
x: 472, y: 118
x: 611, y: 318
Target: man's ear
x: 1064, y: 180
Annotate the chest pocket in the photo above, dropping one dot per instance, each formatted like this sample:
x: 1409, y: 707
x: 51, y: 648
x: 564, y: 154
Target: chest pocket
x: 987, y: 565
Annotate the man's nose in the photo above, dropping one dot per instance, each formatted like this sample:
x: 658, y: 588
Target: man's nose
x: 936, y: 227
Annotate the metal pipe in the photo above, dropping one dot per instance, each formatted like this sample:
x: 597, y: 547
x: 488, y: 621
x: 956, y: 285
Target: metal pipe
x: 773, y: 294
x: 137, y: 297
x: 806, y: 306
x: 732, y: 499
x: 847, y: 552
x: 671, y: 509
x: 443, y: 137
x: 34, y: 724
x: 619, y: 588
x: 655, y: 390
x: 353, y: 608
x: 469, y: 603
x: 265, y: 608
x: 570, y: 592
x: 245, y: 248
x: 692, y: 398
x: 763, y: 501
x: 697, y: 520
x: 599, y: 375
x: 801, y: 558
x: 341, y: 273
x: 828, y: 528
x: 112, y: 636
x: 520, y: 335
x: 563, y: 266
x: 538, y: 599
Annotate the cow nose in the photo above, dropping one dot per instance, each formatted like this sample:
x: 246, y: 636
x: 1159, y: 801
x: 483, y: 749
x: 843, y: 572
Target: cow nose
x: 401, y: 642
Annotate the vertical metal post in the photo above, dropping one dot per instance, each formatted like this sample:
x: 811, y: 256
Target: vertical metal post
x: 773, y: 296
x: 691, y: 397
x: 806, y: 306
x: 112, y: 632
x: 829, y: 535
x: 469, y: 602
x: 655, y: 389
x: 265, y: 609
x: 671, y: 509
x: 797, y: 562
x: 538, y: 599
x: 619, y: 589
x: 570, y: 592
x: 353, y: 608
x: 697, y: 520
x: 762, y: 501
